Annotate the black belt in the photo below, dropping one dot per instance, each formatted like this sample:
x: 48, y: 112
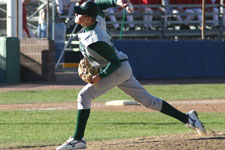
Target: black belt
x: 125, y: 59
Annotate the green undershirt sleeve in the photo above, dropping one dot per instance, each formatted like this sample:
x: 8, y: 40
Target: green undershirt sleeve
x: 104, y: 4
x: 108, y: 53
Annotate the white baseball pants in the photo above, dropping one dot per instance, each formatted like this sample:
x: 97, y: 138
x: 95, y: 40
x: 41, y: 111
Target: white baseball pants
x: 123, y: 79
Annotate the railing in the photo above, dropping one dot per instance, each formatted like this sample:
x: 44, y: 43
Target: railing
x: 165, y: 25
x: 2, y: 18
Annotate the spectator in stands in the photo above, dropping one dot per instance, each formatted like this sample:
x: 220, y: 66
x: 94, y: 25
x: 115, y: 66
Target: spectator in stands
x: 112, y: 18
x: 198, y: 10
x: 26, y: 30
x: 171, y: 11
x: 130, y: 18
x: 65, y: 6
x: 223, y: 17
x: 148, y: 18
x: 189, y: 13
x: 215, y: 11
x: 41, y: 24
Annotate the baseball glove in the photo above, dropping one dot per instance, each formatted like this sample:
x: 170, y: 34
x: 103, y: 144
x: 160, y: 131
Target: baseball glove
x: 86, y: 70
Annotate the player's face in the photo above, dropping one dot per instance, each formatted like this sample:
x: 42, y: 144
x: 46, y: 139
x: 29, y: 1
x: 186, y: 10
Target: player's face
x: 82, y: 19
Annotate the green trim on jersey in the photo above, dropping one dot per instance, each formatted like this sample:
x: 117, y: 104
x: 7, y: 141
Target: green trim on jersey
x: 96, y: 44
x: 91, y: 27
x: 108, y: 53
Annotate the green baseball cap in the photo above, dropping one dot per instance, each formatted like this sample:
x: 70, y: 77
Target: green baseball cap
x: 89, y: 8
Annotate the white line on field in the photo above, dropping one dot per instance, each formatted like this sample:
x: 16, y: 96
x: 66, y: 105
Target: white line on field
x: 56, y: 108
x: 198, y: 102
x: 171, y: 102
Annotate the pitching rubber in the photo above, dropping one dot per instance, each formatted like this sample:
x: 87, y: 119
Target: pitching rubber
x: 122, y: 103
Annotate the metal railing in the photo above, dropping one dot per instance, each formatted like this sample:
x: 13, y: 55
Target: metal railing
x: 169, y: 27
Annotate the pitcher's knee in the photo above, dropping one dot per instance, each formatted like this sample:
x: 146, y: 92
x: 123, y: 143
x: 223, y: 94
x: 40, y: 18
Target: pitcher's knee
x: 83, y: 101
x: 151, y: 102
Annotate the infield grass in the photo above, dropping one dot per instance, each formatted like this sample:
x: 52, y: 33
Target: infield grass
x: 45, y: 128
x: 166, y: 92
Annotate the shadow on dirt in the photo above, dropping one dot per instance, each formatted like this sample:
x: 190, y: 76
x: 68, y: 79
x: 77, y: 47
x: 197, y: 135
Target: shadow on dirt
x: 210, y: 138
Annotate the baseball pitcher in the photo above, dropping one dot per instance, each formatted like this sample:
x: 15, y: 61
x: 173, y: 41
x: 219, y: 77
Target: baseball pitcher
x: 114, y: 70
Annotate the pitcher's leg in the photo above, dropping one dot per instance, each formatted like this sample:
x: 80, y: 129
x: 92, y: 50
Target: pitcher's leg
x: 133, y: 88
x: 88, y: 93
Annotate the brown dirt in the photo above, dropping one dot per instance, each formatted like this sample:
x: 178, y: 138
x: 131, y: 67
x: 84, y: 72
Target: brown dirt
x: 201, y: 105
x: 190, y: 141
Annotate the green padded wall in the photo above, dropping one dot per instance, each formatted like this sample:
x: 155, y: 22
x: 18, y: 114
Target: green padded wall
x: 9, y: 60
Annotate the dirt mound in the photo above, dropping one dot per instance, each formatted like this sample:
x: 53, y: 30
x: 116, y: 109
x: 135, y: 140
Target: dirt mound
x: 210, y: 141
x: 189, y: 141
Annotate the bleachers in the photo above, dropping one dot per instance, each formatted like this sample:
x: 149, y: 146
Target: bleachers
x: 172, y: 30
x: 160, y: 30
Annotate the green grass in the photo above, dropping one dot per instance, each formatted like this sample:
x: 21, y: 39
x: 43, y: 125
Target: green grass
x: 42, y: 128
x: 166, y: 92
x: 36, y: 128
